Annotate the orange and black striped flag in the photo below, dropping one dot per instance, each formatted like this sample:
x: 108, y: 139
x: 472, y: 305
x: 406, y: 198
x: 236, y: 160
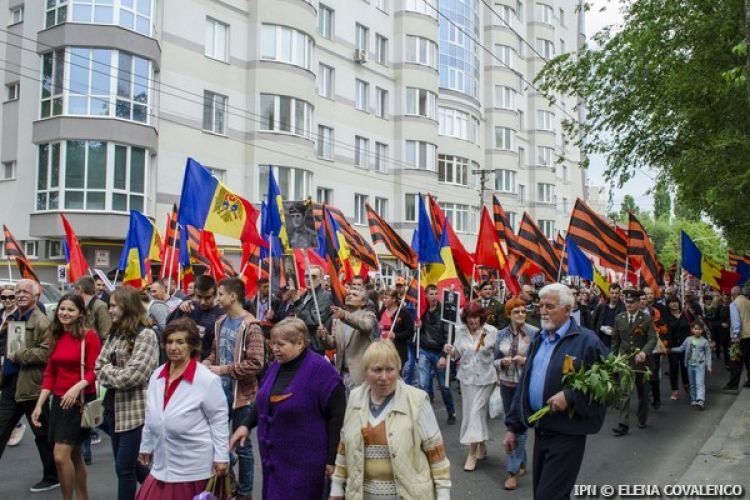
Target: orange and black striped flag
x: 503, y: 229
x: 194, y: 246
x: 14, y: 251
x: 537, y: 248
x: 639, y: 245
x: 358, y: 246
x: 170, y: 250
x: 332, y: 257
x: 735, y: 258
x: 561, y: 252
x: 382, y: 232
x: 593, y: 234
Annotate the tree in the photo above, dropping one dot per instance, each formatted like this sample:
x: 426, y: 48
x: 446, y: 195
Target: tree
x: 662, y: 200
x: 659, y: 93
x: 628, y: 205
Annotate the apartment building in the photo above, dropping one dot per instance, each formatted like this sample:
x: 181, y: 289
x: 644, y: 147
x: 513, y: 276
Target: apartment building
x: 349, y: 101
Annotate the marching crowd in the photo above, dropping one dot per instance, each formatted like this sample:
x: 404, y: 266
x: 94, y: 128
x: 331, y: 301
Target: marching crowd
x: 340, y: 396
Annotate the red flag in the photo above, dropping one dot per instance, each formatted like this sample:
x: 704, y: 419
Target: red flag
x: 219, y: 267
x: 170, y: 249
x: 76, y: 262
x: 489, y: 252
x: 728, y: 280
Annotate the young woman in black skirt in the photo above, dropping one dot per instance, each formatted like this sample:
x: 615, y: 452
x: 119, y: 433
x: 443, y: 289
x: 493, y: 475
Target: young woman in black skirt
x: 62, y: 380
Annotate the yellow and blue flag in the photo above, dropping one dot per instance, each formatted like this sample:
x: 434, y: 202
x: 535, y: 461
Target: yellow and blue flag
x: 207, y: 204
x: 427, y: 247
x: 142, y: 246
x: 274, y: 223
x: 697, y: 264
x: 580, y: 265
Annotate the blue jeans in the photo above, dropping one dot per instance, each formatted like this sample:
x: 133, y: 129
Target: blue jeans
x: 410, y: 368
x: 244, y: 454
x: 427, y: 369
x: 517, y: 457
x: 697, y: 376
x: 125, y: 447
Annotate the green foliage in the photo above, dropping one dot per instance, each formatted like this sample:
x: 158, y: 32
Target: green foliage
x: 665, y: 236
x: 628, y: 205
x: 662, y: 200
x: 667, y: 92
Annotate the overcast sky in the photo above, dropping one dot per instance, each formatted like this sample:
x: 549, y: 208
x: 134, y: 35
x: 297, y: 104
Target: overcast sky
x: 637, y: 186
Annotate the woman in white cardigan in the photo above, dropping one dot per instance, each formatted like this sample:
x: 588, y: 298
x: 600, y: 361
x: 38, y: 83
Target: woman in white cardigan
x: 475, y: 347
x: 185, y: 436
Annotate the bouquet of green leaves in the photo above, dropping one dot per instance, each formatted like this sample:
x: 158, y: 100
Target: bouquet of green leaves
x: 735, y: 353
x: 605, y: 382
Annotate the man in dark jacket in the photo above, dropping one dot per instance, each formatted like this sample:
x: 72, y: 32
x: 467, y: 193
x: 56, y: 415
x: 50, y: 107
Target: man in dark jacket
x: 560, y: 437
x: 431, y: 363
x: 581, y: 312
x: 203, y: 309
x: 306, y: 311
x: 495, y: 314
x: 605, y: 314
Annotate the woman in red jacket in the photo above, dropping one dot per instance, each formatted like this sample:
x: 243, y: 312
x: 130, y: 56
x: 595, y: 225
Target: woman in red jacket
x: 62, y: 380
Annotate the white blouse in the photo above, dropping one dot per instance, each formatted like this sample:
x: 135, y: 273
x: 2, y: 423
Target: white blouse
x: 477, y: 355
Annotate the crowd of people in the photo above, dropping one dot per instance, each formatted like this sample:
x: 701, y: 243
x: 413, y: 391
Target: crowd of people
x: 340, y: 395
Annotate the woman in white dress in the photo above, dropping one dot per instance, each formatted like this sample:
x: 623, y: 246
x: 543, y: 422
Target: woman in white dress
x: 475, y: 347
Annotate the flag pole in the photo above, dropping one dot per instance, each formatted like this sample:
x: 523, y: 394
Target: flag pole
x: 448, y: 357
x: 117, y: 273
x: 179, y: 275
x: 398, y: 311
x: 419, y: 304
x: 170, y: 262
x: 10, y: 271
x: 312, y: 292
x: 471, y: 288
x: 562, y: 258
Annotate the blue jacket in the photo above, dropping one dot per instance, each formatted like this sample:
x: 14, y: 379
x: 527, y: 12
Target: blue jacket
x: 587, y: 418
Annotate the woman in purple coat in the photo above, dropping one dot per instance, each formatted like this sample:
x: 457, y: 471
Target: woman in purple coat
x: 299, y: 411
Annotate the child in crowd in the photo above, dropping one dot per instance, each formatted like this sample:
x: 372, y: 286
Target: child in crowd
x: 697, y: 351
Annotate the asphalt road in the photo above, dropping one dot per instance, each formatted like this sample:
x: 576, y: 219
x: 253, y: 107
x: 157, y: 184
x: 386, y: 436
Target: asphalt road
x: 658, y: 455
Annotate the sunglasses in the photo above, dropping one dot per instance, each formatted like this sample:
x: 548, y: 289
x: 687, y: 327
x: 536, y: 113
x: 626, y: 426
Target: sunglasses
x: 312, y: 276
x: 7, y: 297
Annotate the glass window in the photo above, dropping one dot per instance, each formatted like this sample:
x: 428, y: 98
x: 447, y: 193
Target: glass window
x: 421, y: 102
x: 545, y: 120
x: 459, y: 50
x: 505, y: 97
x: 16, y: 15
x: 325, y: 80
x: 360, y: 209
x: 506, y: 54
x: 12, y: 91
x: 381, y: 157
x: 459, y: 124
x: 380, y: 4
x: 324, y: 195
x: 381, y: 102
x: 132, y: 87
x: 361, y: 91
x: 53, y: 67
x: 562, y: 17
x: 217, y: 40
x: 381, y: 207
x: 294, y: 183
x: 56, y: 12
x: 544, y: 156
x: 411, y: 202
x: 505, y: 181
x: 136, y: 15
x: 286, y: 114
x: 545, y: 47
x: 361, y: 145
x: 505, y: 138
x: 504, y: 13
x: 543, y: 13
x: 545, y: 193
x: 511, y: 220
x: 8, y: 171
x: 279, y: 43
x: 457, y: 215
x: 361, y: 37
x: 381, y: 49
x: 325, y: 142
x: 426, y: 7
x: 214, y: 112
x: 325, y: 21
x: 453, y: 170
x: 421, y: 51
x: 548, y: 228
x: 420, y: 155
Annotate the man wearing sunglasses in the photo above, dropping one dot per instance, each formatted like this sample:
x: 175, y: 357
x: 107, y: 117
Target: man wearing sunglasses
x: 306, y: 305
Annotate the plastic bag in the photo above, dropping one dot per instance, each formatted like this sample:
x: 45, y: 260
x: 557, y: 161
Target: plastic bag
x: 496, y: 404
x: 217, y: 489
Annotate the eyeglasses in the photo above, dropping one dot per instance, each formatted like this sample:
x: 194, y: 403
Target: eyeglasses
x: 518, y: 311
x: 7, y: 297
x: 312, y: 276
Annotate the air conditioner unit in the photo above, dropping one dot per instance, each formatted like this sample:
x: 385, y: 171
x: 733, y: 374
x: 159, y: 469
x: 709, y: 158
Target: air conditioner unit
x: 360, y: 55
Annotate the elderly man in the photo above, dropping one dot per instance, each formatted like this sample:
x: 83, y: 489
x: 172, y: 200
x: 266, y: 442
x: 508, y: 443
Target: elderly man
x: 560, y: 437
x: 22, y: 377
x: 633, y: 332
x: 352, y: 336
x: 739, y: 312
x: 159, y: 291
x: 316, y: 319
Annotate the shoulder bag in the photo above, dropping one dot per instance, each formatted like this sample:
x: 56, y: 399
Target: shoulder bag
x: 92, y: 413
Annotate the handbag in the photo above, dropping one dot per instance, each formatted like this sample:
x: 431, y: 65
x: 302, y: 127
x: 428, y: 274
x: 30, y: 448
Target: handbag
x: 92, y: 413
x: 496, y: 404
x: 216, y: 489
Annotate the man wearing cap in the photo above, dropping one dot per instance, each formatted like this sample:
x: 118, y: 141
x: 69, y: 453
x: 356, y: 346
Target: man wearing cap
x: 633, y: 332
x: 300, y: 236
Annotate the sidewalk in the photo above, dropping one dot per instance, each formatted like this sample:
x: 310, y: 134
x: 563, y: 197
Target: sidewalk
x: 725, y: 457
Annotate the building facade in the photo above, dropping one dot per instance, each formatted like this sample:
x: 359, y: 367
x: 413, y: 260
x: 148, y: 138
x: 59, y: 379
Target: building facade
x: 349, y: 101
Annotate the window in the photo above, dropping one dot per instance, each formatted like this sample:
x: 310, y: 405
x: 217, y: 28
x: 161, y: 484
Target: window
x: 361, y: 37
x: 506, y: 54
x: 214, y: 112
x: 12, y: 91
x: 381, y: 207
x: 325, y: 79
x: 380, y: 4
x: 56, y: 12
x: 8, y: 172
x: 521, y: 120
x: 53, y: 68
x: 545, y: 120
x: 411, y: 202
x: 217, y: 40
x: 562, y: 46
x: 548, y: 228
x: 325, y: 21
x: 562, y: 17
x: 521, y: 158
x: 381, y: 49
x: 420, y: 155
x: 505, y: 97
x: 505, y: 13
x: 521, y: 193
x: 519, y: 9
x: 360, y: 151
x: 287, y: 45
x: 457, y: 215
x: 544, y: 156
x: 361, y: 90
x: 545, y: 47
x: 426, y: 7
x: 511, y: 220
x: 543, y: 13
x: 325, y: 142
x: 421, y: 51
x: 324, y: 195
x: 55, y: 249
x: 381, y: 102
x: 133, y: 74
x: 545, y: 193
x: 133, y: 15
x: 421, y: 102
x: 564, y: 205
x: 456, y: 79
x: 286, y: 114
x: 505, y: 138
x: 360, y: 209
x: 565, y: 177
x: 505, y: 181
x: 31, y: 248
x: 455, y: 123
x: 16, y: 15
x: 219, y: 173
x: 294, y: 183
x: 453, y: 170
x: 381, y: 157
x: 91, y: 175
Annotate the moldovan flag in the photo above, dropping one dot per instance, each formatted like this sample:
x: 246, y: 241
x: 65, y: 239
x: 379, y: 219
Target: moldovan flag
x: 444, y: 275
x: 207, y: 204
x: 580, y: 265
x: 142, y: 245
x: 489, y: 252
x: 696, y: 264
x: 77, y: 265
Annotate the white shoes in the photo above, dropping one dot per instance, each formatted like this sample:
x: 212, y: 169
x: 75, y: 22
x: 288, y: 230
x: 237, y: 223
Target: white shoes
x: 16, y: 435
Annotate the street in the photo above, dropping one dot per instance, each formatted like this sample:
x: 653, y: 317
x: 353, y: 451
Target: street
x: 657, y: 455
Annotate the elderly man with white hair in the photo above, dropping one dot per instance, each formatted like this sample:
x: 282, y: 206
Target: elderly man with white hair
x: 560, y: 437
